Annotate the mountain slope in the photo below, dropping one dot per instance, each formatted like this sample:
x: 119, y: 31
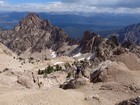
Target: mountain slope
x: 4, y: 50
x: 34, y: 34
x: 130, y: 33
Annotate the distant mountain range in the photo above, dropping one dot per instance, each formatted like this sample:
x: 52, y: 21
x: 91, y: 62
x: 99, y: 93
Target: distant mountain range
x: 75, y: 25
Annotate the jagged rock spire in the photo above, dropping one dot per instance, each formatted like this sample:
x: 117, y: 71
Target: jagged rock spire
x: 33, y: 21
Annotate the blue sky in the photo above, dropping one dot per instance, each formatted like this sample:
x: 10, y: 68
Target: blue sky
x: 73, y: 6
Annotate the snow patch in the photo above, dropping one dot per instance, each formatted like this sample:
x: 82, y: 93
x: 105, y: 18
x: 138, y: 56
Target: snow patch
x: 77, y: 55
x: 86, y: 56
x: 58, y: 63
x: 81, y: 59
x: 91, y: 56
x: 53, y: 54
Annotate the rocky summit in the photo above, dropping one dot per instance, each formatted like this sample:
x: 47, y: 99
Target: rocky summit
x: 34, y: 34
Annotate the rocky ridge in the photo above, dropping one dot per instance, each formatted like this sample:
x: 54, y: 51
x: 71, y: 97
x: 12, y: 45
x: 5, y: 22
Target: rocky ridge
x: 34, y: 34
x: 104, y: 49
x: 101, y: 49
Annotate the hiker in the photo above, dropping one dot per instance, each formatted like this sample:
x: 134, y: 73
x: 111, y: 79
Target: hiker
x: 78, y: 70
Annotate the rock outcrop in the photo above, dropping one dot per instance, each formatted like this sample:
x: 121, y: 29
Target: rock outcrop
x: 75, y: 83
x: 103, y: 48
x: 132, y: 101
x: 123, y: 70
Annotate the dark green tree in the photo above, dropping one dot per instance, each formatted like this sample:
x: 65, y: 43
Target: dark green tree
x: 58, y: 68
x: 49, y: 69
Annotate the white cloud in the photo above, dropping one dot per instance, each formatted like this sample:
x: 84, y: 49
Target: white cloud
x: 66, y: 6
x: 2, y: 2
x: 106, y: 3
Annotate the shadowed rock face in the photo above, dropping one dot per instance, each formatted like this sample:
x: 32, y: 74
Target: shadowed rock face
x: 89, y: 42
x: 35, y: 34
x: 130, y: 33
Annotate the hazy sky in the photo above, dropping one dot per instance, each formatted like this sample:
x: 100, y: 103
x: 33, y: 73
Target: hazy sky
x: 86, y: 6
